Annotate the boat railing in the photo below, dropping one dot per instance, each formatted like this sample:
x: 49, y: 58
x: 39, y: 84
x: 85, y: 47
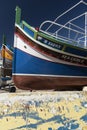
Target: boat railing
x: 64, y: 38
x: 69, y: 32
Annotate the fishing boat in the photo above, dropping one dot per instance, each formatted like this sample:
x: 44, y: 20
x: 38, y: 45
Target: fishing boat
x: 53, y: 56
x: 7, y: 57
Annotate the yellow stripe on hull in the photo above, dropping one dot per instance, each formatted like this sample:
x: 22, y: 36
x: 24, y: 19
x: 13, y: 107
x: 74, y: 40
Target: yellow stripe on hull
x: 6, y: 54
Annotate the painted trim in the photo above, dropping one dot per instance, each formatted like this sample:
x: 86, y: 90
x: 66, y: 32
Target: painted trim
x: 22, y: 74
x: 36, y: 53
x: 46, y: 45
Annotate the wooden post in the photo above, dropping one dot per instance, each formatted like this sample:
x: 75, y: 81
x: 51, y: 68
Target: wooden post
x: 18, y: 15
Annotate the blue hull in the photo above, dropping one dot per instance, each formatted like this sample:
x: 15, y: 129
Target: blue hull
x: 27, y: 64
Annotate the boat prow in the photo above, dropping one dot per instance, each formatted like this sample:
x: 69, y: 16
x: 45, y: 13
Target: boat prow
x: 46, y: 60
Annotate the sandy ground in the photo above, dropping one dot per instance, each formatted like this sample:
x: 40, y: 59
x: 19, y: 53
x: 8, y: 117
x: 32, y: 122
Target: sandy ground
x: 43, y: 110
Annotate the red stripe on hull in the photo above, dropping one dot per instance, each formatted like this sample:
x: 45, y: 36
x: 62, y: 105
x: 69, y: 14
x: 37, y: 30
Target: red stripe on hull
x: 49, y: 52
x: 44, y: 83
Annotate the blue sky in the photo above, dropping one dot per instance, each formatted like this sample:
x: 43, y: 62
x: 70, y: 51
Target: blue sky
x: 34, y: 12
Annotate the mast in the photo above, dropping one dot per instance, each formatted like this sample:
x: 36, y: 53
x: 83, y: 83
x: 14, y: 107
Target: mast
x: 3, y: 55
x: 85, y: 29
x: 3, y: 48
x: 4, y: 40
x: 18, y: 15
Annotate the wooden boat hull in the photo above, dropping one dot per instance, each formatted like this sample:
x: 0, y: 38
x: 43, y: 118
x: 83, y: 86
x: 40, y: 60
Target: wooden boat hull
x: 7, y: 57
x: 47, y: 83
x: 50, y: 58
x: 33, y: 68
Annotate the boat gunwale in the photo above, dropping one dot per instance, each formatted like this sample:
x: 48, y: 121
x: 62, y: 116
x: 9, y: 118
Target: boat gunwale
x: 48, y: 47
x: 48, y: 37
x: 25, y: 39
